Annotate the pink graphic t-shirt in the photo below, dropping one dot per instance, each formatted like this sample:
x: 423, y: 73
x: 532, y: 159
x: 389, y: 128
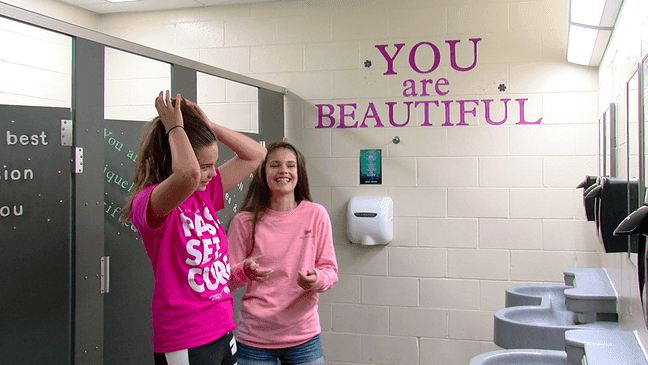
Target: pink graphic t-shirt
x: 191, y: 304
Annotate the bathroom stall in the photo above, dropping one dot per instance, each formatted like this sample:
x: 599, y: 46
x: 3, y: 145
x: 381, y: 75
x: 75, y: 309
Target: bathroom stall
x: 76, y: 284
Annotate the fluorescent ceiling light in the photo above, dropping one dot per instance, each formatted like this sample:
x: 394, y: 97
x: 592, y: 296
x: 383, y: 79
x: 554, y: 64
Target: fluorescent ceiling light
x: 122, y: 1
x: 590, y: 26
x: 587, y: 12
x: 581, y: 44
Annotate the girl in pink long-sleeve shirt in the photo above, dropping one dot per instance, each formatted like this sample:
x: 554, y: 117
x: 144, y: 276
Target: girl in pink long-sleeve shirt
x: 281, y: 248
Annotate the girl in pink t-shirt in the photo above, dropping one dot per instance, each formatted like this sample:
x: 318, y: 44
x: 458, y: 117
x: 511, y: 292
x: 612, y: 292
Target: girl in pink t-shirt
x: 173, y: 206
x: 281, y: 247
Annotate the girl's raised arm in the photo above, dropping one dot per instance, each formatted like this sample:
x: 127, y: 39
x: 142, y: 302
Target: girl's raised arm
x: 185, y: 178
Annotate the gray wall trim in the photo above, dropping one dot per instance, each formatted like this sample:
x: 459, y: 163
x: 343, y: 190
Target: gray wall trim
x: 88, y: 213
x: 271, y: 115
x: 45, y: 22
x: 183, y: 81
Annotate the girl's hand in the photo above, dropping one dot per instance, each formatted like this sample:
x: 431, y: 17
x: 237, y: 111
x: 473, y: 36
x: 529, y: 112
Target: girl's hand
x: 169, y: 115
x: 307, y: 279
x: 252, y: 271
x: 198, y: 110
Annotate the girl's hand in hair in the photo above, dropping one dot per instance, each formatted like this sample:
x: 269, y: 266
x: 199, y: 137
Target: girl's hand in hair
x: 252, y: 271
x: 169, y: 113
x: 198, y: 110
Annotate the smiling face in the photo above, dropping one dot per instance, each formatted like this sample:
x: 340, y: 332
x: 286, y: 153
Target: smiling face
x: 281, y: 172
x: 207, y: 158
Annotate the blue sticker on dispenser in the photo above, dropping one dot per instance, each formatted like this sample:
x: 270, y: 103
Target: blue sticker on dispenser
x: 370, y: 167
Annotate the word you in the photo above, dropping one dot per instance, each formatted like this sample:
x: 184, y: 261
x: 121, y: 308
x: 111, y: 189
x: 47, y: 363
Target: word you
x: 436, y: 60
x: 117, y: 145
x: 7, y: 210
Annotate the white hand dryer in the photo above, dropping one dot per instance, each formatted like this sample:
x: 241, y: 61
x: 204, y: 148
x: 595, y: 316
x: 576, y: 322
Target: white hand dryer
x: 370, y: 220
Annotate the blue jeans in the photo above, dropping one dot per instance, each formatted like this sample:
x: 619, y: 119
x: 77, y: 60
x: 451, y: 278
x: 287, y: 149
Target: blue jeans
x: 309, y: 353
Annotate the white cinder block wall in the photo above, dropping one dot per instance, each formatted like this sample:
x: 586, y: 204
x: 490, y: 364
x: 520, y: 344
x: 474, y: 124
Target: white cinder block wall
x: 478, y: 207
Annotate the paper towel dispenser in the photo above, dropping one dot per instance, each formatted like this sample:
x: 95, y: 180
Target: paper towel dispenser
x: 615, y: 197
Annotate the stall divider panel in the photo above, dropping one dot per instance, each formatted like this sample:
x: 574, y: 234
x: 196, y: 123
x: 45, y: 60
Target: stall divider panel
x: 35, y: 204
x: 88, y: 238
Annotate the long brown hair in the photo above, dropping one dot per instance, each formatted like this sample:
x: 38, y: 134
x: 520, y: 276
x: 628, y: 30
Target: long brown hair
x: 258, y: 196
x: 153, y: 163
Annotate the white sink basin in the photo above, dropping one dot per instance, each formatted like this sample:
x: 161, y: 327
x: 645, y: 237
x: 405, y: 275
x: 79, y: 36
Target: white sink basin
x: 533, y: 294
x: 521, y: 357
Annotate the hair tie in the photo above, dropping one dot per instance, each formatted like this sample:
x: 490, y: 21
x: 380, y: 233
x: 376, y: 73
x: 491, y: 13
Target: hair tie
x: 178, y: 126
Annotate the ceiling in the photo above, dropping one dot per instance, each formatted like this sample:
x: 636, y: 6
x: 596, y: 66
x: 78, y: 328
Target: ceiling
x: 105, y: 7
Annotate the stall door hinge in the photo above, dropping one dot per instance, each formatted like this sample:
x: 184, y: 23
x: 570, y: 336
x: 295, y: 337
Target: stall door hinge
x: 105, y: 274
x: 78, y: 160
x: 66, y: 132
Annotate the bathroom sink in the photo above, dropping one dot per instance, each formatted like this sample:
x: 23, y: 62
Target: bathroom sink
x: 540, y: 326
x: 537, y: 316
x: 592, y: 291
x: 532, y: 294
x: 604, y: 348
x: 521, y: 357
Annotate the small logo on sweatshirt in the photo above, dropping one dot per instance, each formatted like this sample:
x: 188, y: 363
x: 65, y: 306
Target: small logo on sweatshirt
x: 308, y: 233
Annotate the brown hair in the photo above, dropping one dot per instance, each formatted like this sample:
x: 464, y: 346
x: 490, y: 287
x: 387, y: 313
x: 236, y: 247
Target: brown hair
x: 258, y: 196
x: 153, y: 163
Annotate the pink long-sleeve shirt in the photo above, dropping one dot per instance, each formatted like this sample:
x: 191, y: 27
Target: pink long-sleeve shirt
x: 278, y: 313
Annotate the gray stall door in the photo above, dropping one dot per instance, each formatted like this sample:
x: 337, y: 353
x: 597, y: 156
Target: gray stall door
x: 35, y: 216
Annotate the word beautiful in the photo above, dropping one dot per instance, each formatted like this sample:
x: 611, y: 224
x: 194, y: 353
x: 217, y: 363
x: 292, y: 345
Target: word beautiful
x: 345, y: 114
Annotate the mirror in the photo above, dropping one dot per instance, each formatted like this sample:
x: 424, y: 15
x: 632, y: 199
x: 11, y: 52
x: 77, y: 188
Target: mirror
x: 620, y: 140
x: 606, y: 138
x: 632, y: 118
x: 633, y: 164
x: 643, y: 117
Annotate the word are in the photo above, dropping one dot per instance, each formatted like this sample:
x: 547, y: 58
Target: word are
x: 26, y: 139
x: 16, y: 174
x: 436, y: 60
x: 410, y: 87
x: 346, y: 113
x: 6, y: 210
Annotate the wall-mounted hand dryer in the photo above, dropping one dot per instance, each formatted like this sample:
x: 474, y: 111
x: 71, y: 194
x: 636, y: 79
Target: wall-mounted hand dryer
x: 370, y: 220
